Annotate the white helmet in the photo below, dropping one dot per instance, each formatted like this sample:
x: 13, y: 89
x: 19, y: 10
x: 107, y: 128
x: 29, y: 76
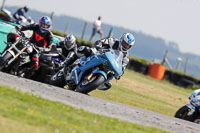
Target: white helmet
x: 127, y: 40
x: 70, y: 41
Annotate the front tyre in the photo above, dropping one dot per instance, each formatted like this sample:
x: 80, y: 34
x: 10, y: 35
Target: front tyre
x: 87, y: 86
x: 182, y: 113
x: 58, y: 80
x: 4, y: 60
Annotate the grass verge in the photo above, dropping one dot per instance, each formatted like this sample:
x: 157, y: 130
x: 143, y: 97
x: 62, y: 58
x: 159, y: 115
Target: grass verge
x: 22, y: 113
x: 142, y: 91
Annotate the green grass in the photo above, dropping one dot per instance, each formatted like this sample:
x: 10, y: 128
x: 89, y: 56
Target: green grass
x: 145, y: 92
x: 58, y: 33
x: 26, y: 113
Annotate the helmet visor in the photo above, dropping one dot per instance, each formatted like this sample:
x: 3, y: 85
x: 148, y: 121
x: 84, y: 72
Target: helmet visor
x: 126, y: 46
x: 45, y: 26
x: 69, y: 44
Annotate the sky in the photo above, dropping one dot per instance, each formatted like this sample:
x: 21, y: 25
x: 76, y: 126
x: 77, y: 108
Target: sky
x: 171, y: 20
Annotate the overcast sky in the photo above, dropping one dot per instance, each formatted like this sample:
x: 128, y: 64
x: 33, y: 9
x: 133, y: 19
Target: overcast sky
x: 172, y: 20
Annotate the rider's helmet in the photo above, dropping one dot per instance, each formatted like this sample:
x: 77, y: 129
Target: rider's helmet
x: 70, y: 41
x: 45, y: 24
x: 26, y: 9
x: 195, y: 97
x: 127, y: 40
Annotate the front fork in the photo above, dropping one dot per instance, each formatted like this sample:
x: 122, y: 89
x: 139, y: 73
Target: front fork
x: 10, y: 50
x: 192, y: 109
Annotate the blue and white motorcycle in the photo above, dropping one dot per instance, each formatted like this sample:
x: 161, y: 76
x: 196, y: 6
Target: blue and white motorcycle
x: 88, y: 73
x: 191, y: 111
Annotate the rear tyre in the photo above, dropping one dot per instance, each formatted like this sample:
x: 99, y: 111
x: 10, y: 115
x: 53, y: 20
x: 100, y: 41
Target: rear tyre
x: 4, y: 60
x: 87, y: 86
x: 182, y: 113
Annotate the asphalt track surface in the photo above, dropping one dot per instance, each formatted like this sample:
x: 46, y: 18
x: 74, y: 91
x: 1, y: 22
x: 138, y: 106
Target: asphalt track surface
x: 99, y: 106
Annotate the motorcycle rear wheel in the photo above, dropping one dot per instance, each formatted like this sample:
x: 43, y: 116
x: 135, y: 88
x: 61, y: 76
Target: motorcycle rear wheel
x: 97, y: 80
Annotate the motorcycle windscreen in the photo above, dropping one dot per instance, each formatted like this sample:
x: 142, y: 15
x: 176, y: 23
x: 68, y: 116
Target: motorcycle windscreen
x: 90, y: 62
x: 115, y: 58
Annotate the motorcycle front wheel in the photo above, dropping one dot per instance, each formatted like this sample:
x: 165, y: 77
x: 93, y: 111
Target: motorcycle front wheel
x: 4, y: 59
x: 58, y: 80
x: 87, y: 86
x: 182, y: 113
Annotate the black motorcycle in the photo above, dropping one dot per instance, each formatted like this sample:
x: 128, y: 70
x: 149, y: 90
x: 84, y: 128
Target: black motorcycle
x: 49, y: 64
x: 15, y: 53
x: 191, y: 111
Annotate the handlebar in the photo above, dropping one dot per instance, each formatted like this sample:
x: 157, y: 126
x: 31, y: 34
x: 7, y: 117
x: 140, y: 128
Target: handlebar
x: 26, y: 40
x: 19, y: 32
x: 22, y: 35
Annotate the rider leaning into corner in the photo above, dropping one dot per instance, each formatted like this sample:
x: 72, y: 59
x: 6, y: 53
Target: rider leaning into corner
x: 195, y: 98
x: 125, y: 43
x: 20, y: 12
x: 42, y: 38
x: 71, y: 51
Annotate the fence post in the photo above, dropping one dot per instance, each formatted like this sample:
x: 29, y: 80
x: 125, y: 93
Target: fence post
x: 51, y: 16
x: 110, y: 34
x: 164, y: 59
x: 2, y: 5
x: 66, y: 28
x: 168, y: 64
x: 186, y: 65
x: 84, y: 29
x: 179, y: 60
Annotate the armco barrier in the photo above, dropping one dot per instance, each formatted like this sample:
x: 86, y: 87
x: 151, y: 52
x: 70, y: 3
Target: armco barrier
x: 138, y: 66
x: 175, y: 78
x: 181, y: 80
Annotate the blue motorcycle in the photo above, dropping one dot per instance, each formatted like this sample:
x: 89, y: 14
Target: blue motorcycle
x: 88, y: 73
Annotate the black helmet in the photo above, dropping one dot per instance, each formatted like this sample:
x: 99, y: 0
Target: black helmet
x: 26, y: 9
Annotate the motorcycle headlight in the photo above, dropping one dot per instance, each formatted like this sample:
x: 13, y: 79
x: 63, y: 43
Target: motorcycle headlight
x: 29, y: 49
